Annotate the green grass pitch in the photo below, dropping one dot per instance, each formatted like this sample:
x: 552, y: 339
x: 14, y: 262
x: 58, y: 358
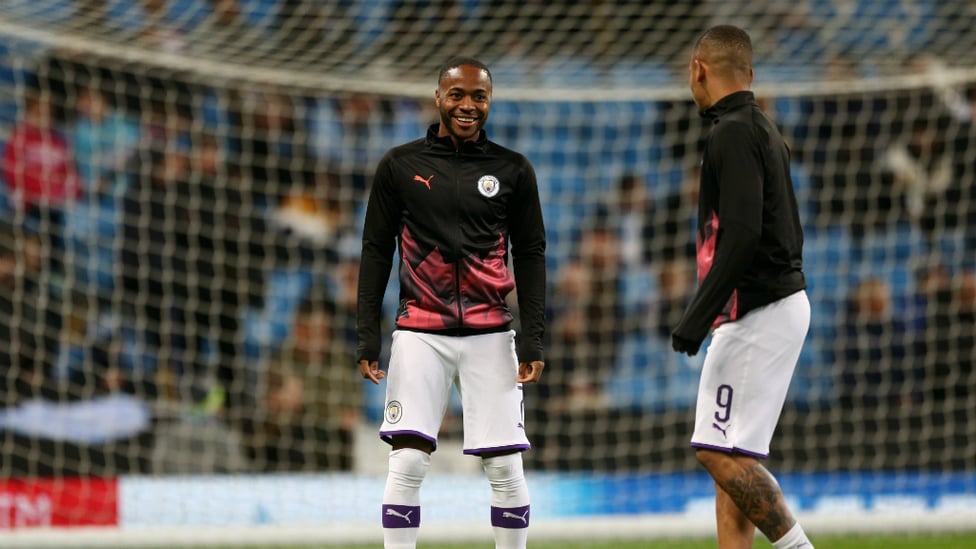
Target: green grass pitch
x: 921, y: 541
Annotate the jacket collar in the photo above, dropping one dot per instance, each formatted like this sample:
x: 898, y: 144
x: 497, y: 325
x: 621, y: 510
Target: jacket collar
x: 728, y: 103
x: 445, y: 143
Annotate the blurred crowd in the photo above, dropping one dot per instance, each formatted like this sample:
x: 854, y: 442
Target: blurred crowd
x: 201, y: 259
x: 178, y: 264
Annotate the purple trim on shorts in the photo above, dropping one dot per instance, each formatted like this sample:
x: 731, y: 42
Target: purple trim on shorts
x: 387, y: 436
x: 401, y: 516
x: 729, y: 450
x: 510, y: 517
x: 477, y: 451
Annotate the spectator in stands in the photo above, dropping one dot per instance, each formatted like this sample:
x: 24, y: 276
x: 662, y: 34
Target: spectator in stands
x: 842, y: 152
x: 352, y: 132
x: 37, y: 163
x: 415, y: 30
x: 921, y: 166
x: 313, y: 217
x: 589, y: 319
x: 311, y: 400
x: 157, y: 32
x: 230, y: 238
x: 90, y: 360
x: 875, y: 354
x: 346, y: 280
x: 348, y: 134
x: 963, y: 339
x: 675, y: 219
x: 90, y: 13
x: 193, y: 258
x: 960, y: 199
x: 950, y: 330
x: 586, y: 318
x: 675, y: 287
x: 630, y: 208
x: 28, y: 319
x: 45, y: 422
x: 157, y: 267
x: 104, y: 139
x: 227, y: 35
x: 305, y: 32
x: 268, y: 141
x: 932, y: 292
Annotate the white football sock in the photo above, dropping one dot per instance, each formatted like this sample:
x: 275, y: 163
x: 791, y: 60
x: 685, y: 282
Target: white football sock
x: 509, y: 500
x: 794, y: 539
x: 401, y: 498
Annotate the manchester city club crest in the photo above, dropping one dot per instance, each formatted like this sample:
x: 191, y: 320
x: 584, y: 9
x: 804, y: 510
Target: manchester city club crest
x: 488, y: 186
x: 394, y: 411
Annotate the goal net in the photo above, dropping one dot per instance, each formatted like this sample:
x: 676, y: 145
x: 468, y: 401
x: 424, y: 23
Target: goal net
x: 183, y: 186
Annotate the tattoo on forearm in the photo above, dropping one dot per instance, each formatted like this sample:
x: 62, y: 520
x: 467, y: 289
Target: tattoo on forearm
x: 759, y: 497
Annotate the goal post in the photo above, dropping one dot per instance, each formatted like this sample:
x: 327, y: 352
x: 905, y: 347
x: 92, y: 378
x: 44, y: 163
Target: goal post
x: 183, y: 184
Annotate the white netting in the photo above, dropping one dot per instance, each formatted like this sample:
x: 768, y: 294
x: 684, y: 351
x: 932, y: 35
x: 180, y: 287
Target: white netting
x: 183, y: 184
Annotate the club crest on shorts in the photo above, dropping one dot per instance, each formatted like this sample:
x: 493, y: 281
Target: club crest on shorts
x: 488, y: 186
x: 394, y: 411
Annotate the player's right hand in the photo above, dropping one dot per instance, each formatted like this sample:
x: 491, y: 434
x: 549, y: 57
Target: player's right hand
x: 371, y: 370
x: 530, y: 372
x: 682, y: 345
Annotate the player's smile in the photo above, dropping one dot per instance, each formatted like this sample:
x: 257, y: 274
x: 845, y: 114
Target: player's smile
x: 467, y: 124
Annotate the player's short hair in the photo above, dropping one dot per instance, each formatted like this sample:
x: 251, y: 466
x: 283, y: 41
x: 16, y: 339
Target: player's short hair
x: 459, y: 61
x: 727, y: 48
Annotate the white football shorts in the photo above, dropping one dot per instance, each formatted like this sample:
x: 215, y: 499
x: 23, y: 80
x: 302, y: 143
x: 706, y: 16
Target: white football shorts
x: 746, y: 374
x: 484, y: 368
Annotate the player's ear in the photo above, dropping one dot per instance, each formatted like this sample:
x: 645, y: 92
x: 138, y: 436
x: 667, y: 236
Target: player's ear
x: 437, y: 98
x: 698, y: 69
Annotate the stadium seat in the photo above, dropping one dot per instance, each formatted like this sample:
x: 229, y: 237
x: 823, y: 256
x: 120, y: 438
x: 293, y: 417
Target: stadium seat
x: 649, y: 376
x: 559, y: 72
x: 631, y: 73
x: 269, y: 327
x: 899, y: 244
x: 777, y: 73
x: 870, y: 25
x: 954, y: 248
x: 260, y: 13
x: 44, y: 12
x: 827, y: 268
x: 812, y: 383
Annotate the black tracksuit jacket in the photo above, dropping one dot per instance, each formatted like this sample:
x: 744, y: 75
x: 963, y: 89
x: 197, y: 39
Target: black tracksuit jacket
x: 452, y: 213
x: 750, y: 241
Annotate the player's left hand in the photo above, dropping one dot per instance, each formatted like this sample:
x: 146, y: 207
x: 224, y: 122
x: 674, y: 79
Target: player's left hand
x: 370, y: 369
x: 686, y: 346
x: 530, y: 372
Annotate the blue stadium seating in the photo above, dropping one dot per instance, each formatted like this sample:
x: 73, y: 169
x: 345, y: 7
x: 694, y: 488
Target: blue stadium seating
x: 826, y: 265
x: 568, y: 72
x: 649, y: 376
x: 866, y: 25
x: 43, y: 13
x: 641, y: 74
x: 270, y: 327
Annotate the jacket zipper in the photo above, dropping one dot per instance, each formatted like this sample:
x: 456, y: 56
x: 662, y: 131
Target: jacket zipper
x: 457, y: 225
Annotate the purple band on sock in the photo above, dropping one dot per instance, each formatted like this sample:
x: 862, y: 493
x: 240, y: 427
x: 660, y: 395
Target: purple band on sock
x: 510, y: 517
x: 401, y: 516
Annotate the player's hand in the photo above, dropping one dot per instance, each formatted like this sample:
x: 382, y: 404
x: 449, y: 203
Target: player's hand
x: 686, y: 346
x: 371, y: 370
x: 530, y: 372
